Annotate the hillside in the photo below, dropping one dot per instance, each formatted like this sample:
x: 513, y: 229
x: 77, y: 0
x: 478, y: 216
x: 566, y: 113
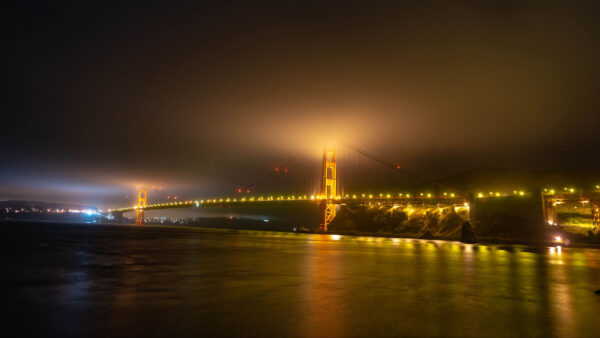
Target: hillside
x: 504, y: 180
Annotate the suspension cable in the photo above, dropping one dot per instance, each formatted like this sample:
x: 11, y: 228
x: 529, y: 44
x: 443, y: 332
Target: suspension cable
x: 397, y: 167
x: 269, y: 176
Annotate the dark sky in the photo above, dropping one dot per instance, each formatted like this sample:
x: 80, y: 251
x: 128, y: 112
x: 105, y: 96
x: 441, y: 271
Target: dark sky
x: 100, y: 97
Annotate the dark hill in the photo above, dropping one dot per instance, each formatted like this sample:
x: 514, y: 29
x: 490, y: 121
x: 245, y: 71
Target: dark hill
x: 504, y: 180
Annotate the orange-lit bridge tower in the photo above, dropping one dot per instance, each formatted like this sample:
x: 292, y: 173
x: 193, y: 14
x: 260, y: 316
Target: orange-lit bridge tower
x: 141, y: 204
x: 596, y: 215
x: 328, y: 188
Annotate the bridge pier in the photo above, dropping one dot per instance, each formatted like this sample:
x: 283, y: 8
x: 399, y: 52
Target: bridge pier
x: 549, y: 210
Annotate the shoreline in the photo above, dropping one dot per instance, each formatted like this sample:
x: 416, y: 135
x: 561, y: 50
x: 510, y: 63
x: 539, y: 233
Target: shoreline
x: 483, y: 241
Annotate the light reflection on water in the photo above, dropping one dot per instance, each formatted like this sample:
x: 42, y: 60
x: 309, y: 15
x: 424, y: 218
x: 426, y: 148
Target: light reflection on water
x: 180, y: 281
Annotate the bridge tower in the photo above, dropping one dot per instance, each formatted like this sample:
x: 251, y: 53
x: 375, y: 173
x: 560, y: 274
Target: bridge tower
x: 141, y: 204
x: 596, y: 216
x: 328, y: 188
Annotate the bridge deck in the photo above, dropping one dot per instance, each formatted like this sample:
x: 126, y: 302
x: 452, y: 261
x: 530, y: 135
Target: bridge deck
x: 230, y: 202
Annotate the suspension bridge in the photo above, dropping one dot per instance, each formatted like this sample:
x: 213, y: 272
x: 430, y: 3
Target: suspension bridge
x: 330, y: 194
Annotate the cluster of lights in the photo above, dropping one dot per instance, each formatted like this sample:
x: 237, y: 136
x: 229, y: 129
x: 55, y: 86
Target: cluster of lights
x: 551, y: 191
x: 57, y: 211
x: 88, y: 212
x: 571, y: 190
x: 499, y: 194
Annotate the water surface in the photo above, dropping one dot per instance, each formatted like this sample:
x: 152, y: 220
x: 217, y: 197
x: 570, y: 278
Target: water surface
x: 81, y: 280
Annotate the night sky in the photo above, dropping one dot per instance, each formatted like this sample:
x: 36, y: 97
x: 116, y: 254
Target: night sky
x: 199, y: 96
